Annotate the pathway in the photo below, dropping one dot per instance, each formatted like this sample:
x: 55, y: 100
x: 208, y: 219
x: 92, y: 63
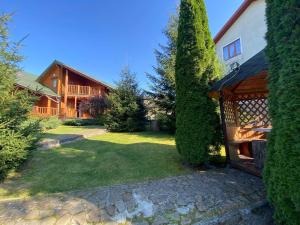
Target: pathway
x: 59, y: 139
x: 213, y: 197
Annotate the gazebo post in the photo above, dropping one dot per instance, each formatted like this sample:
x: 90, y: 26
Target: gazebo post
x: 224, y: 128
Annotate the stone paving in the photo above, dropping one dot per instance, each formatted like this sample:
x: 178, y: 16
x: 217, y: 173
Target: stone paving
x: 69, y: 138
x: 209, y: 197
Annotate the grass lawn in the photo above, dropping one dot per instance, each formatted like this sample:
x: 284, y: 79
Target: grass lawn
x: 112, y: 158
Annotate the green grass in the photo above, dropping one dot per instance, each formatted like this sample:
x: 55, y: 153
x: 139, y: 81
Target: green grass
x: 112, y: 158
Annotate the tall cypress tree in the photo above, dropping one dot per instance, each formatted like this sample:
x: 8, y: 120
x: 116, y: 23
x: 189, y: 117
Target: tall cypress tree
x: 195, y: 68
x: 282, y: 170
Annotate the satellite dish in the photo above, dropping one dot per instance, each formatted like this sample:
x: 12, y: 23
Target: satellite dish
x: 234, y: 66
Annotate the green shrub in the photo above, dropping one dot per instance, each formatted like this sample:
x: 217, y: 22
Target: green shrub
x: 43, y: 124
x: 14, y: 150
x: 50, y: 123
x: 82, y: 122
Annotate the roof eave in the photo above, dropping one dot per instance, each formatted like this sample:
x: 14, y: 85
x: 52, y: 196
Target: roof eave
x: 233, y: 19
x: 56, y: 62
x: 83, y: 74
x: 36, y: 91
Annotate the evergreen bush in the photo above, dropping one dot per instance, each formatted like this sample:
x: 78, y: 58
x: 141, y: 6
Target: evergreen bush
x: 196, y: 67
x: 49, y: 123
x: 82, y: 122
x: 282, y: 167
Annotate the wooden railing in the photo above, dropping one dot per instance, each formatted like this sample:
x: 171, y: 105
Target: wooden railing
x: 83, y: 90
x: 44, y: 111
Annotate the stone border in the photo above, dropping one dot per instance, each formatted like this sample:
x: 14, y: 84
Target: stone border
x: 213, y: 197
x: 49, y: 144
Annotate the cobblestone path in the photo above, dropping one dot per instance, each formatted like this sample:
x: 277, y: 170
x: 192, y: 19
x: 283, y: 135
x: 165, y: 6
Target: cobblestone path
x: 212, y: 197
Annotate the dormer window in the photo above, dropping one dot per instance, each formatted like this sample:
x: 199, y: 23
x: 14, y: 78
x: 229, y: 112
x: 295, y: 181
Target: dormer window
x: 54, y: 81
x: 232, y: 50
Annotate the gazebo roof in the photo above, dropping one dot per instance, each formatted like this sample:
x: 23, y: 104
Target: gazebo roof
x: 250, y: 68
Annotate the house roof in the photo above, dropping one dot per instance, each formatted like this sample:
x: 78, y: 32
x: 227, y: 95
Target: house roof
x: 56, y: 62
x: 29, y: 81
x: 233, y: 19
x: 250, y: 68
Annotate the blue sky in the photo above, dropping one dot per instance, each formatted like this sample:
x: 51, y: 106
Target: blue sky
x: 96, y: 36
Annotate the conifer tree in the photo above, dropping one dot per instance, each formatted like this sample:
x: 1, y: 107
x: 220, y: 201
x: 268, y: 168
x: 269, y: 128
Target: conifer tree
x: 196, y: 66
x: 281, y: 174
x: 17, y: 134
x: 162, y: 87
x: 126, y: 111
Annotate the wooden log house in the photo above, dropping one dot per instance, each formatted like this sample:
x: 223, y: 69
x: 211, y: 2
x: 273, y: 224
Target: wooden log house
x: 60, y: 90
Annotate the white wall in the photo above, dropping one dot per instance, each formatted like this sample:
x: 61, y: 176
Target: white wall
x: 251, y: 29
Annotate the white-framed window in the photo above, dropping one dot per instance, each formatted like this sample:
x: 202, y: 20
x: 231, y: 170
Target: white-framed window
x: 232, y: 50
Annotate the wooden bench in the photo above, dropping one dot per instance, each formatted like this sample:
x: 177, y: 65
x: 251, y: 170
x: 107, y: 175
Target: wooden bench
x: 251, y: 148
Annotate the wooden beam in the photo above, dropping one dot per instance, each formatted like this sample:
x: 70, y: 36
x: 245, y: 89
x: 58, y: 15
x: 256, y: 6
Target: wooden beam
x: 66, y: 92
x: 58, y: 106
x: 48, y: 106
x: 75, y: 106
x: 60, y: 86
x: 224, y: 128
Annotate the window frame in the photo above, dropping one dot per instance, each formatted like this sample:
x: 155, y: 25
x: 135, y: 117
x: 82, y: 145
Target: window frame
x: 228, y: 49
x: 56, y: 82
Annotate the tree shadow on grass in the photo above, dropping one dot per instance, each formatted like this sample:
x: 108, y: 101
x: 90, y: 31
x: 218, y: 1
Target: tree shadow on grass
x: 83, y: 173
x: 93, y: 163
x: 154, y: 134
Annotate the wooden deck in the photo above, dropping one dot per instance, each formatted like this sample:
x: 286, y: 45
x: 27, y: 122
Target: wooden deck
x: 78, y: 90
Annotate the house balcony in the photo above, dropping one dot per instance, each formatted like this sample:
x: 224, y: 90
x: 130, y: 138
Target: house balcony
x: 77, y: 90
x: 44, y: 111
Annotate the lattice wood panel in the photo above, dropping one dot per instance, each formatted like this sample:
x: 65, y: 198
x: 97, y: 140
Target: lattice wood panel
x: 246, y: 109
x: 229, y: 112
x: 253, y: 110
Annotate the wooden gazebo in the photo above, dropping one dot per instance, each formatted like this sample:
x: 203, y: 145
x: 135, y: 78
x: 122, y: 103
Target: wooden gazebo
x: 244, y: 110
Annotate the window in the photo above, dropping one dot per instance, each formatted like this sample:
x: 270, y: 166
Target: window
x: 232, y: 50
x: 54, y: 83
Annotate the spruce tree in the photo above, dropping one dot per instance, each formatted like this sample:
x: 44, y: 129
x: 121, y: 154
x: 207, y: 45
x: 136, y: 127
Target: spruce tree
x: 162, y: 88
x: 17, y: 133
x: 196, y: 62
x: 281, y: 174
x: 126, y: 111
